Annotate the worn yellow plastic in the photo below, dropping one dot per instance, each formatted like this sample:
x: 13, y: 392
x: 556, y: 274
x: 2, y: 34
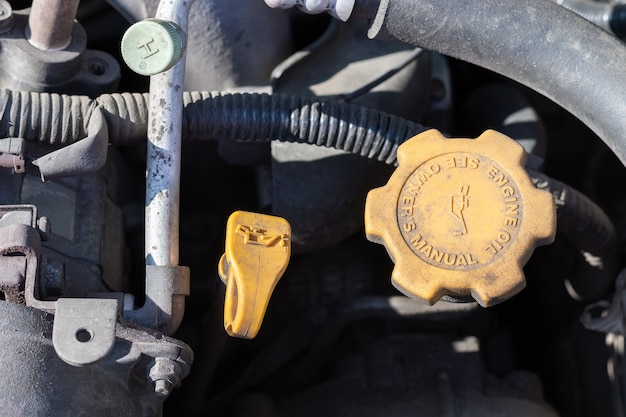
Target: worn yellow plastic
x: 460, y: 217
x: 257, y: 251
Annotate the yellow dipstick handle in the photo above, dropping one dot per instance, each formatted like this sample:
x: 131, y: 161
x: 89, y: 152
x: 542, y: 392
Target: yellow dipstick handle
x: 258, y: 247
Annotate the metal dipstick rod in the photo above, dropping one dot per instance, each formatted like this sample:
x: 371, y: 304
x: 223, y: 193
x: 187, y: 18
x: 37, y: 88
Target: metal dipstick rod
x: 51, y: 23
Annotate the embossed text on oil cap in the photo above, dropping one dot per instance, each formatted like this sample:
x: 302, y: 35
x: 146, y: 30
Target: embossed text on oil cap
x: 460, y: 217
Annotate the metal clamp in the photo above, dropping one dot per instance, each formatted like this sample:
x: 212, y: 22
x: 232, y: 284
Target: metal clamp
x: 20, y: 248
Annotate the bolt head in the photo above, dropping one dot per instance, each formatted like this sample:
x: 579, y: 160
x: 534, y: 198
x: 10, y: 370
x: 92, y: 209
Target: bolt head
x: 152, y: 46
x: 164, y: 373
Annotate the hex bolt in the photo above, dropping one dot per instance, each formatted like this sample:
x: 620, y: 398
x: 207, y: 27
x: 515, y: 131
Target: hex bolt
x: 152, y: 46
x: 165, y: 375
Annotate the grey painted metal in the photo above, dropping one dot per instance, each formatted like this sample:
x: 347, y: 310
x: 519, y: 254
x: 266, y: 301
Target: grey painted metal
x: 164, y: 149
x: 74, y: 70
x: 36, y: 382
x: 84, y: 329
x: 51, y: 23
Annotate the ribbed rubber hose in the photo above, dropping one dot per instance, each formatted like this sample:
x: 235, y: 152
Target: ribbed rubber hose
x: 590, y: 230
x: 535, y: 42
x: 262, y: 117
x: 55, y: 119
x: 579, y: 219
x: 46, y: 118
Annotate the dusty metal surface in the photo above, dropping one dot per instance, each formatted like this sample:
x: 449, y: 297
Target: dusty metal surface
x: 73, y: 69
x: 84, y: 329
x: 51, y: 23
x: 120, y: 384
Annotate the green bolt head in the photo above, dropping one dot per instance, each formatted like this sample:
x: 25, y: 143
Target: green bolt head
x: 152, y: 46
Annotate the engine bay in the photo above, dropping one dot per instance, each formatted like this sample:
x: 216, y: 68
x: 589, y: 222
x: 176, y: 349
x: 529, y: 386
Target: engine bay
x: 304, y: 208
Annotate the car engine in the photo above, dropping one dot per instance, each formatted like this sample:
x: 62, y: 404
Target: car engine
x: 312, y: 208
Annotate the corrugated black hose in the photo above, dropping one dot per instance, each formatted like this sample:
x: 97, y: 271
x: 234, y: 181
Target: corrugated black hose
x: 584, y: 224
x: 54, y: 119
x: 590, y: 230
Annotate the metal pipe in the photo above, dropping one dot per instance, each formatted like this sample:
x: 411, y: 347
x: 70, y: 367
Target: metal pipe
x: 164, y: 148
x: 51, y: 23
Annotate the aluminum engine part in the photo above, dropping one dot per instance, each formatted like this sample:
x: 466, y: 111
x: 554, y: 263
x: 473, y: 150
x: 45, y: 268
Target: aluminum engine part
x: 322, y: 190
x: 36, y: 382
x: 86, y: 231
x: 73, y: 69
x: 84, y: 253
x: 410, y: 375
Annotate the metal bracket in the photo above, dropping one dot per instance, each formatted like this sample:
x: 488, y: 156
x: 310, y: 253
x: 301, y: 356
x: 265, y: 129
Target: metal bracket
x: 12, y: 154
x: 20, y: 248
x: 84, y: 329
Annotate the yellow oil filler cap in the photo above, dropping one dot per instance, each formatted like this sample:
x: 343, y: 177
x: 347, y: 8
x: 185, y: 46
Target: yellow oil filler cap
x: 258, y: 247
x: 460, y: 217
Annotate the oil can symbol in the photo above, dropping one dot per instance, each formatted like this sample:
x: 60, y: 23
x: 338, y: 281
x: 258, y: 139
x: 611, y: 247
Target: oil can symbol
x: 458, y: 203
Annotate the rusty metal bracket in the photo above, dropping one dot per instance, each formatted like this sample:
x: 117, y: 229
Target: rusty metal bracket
x: 12, y: 154
x: 21, y: 234
x: 20, y: 249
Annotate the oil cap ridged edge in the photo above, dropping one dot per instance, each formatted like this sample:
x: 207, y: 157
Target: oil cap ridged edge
x: 460, y: 217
